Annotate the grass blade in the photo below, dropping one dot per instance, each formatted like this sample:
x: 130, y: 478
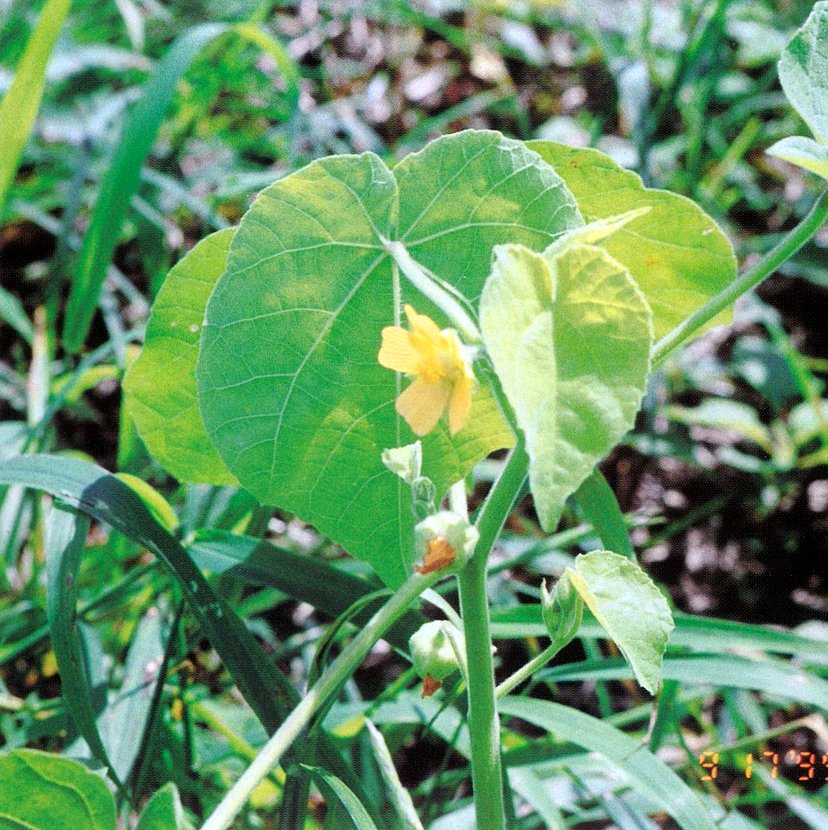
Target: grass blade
x: 329, y: 589
x: 66, y: 534
x: 122, y: 180
x: 600, y: 508
x: 335, y: 790
x: 11, y: 311
x: 103, y: 496
x: 19, y: 107
x: 770, y: 678
x: 646, y: 773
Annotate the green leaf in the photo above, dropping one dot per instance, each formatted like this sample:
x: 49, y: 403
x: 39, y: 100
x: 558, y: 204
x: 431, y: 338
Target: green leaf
x: 600, y: 508
x: 569, y: 334
x: 13, y: 313
x: 699, y: 633
x: 306, y: 578
x: 335, y: 791
x: 160, y: 385
x: 128, y: 715
x: 629, y: 607
x: 20, y: 104
x: 40, y: 791
x: 122, y: 179
x: 645, y: 772
x: 164, y: 811
x: 770, y: 677
x: 66, y: 534
x: 676, y: 253
x: 289, y: 385
x: 124, y: 174
x: 804, y: 152
x: 803, y: 71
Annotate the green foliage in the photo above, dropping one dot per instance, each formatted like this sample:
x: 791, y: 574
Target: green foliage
x: 303, y: 426
x: 645, y: 772
x: 160, y: 385
x: 803, y: 71
x: 164, y: 812
x: 675, y: 252
x: 20, y: 104
x: 41, y: 791
x: 630, y: 608
x: 569, y: 334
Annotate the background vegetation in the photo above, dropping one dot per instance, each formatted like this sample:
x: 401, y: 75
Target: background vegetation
x: 154, y: 131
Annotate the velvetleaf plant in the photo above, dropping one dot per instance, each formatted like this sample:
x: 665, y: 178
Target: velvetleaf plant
x: 484, y: 294
x: 541, y: 284
x: 469, y: 298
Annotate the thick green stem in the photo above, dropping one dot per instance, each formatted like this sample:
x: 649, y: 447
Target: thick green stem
x: 329, y: 684
x: 484, y: 724
x: 794, y: 240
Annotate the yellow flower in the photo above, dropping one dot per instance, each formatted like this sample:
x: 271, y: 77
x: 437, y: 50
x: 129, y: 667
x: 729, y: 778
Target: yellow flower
x: 444, y: 379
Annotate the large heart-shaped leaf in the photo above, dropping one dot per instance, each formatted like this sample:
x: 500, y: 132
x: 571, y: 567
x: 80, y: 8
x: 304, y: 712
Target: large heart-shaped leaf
x: 289, y: 385
x: 629, y: 607
x: 675, y: 252
x: 160, y: 386
x: 569, y: 333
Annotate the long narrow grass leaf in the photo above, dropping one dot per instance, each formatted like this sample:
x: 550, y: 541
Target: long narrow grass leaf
x: 12, y: 312
x: 19, y: 107
x: 646, y: 773
x: 66, y: 533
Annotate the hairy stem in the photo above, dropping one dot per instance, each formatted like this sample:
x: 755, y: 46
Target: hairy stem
x: 484, y: 725
x: 786, y: 248
x: 327, y: 686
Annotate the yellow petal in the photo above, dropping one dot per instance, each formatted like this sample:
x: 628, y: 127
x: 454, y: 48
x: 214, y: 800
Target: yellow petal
x: 421, y: 324
x: 422, y: 404
x: 460, y: 405
x: 397, y: 351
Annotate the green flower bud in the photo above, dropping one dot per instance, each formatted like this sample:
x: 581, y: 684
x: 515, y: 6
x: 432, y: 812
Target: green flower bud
x: 562, y: 610
x: 444, y: 541
x: 432, y: 651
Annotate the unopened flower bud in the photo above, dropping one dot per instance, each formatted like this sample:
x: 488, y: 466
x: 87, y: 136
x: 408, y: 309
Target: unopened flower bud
x: 562, y: 610
x: 434, y: 651
x: 444, y: 541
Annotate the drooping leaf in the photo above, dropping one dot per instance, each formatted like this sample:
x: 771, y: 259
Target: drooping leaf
x: 569, y: 334
x: 41, y: 791
x: 804, y: 152
x: 645, y: 772
x: 160, y: 385
x: 289, y: 385
x: 20, y: 104
x: 164, y: 811
x: 803, y: 71
x: 676, y: 253
x: 630, y: 608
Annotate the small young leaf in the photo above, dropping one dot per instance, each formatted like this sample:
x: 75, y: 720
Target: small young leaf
x: 803, y: 71
x: 160, y: 386
x: 804, y: 152
x: 40, y: 791
x: 164, y: 812
x: 629, y: 607
x: 675, y: 252
x: 570, y: 340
